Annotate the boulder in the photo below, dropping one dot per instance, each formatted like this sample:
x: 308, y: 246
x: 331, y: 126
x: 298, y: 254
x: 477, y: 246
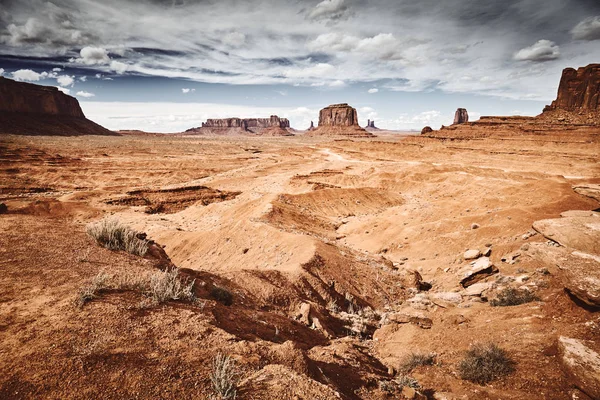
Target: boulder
x: 3, y: 208
x: 471, y: 254
x: 582, y: 365
x: 579, y: 90
x: 591, y: 190
x: 461, y: 116
x: 477, y: 271
x: 579, y: 233
x: 426, y: 130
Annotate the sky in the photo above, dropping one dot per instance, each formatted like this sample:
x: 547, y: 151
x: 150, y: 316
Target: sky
x: 168, y: 65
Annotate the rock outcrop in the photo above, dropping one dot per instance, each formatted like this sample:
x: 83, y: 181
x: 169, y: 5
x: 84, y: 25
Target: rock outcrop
x: 340, y: 120
x: 371, y: 124
x: 579, y: 90
x: 426, y: 130
x: 29, y: 109
x: 461, y: 116
x: 272, y: 126
x: 582, y: 365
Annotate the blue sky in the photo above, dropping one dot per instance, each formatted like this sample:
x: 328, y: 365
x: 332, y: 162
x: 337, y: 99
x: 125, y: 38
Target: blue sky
x: 168, y: 65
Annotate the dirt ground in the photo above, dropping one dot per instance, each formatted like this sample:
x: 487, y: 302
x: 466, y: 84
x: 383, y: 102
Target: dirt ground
x: 339, y: 224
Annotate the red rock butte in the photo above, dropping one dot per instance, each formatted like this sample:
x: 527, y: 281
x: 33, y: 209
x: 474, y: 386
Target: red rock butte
x: 578, y: 90
x: 272, y: 126
x: 339, y: 120
x: 29, y: 109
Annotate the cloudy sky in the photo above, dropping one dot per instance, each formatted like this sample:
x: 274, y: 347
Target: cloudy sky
x: 166, y: 65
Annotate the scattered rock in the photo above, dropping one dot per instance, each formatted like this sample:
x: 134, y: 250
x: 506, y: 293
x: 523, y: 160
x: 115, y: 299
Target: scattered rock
x: 451, y: 297
x: 409, y: 318
x: 511, y: 258
x: 310, y: 317
x: 478, y: 289
x: 582, y: 364
x: 471, y: 254
x: 474, y: 226
x: 426, y: 130
x: 477, y: 271
x: 487, y: 252
x: 412, y: 394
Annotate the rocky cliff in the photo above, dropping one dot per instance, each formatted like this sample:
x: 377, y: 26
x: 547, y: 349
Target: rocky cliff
x: 461, y: 116
x: 28, y: 109
x: 579, y: 90
x: 339, y: 120
x: 272, y: 126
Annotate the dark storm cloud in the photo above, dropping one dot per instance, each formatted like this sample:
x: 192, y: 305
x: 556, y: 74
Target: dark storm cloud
x: 479, y: 46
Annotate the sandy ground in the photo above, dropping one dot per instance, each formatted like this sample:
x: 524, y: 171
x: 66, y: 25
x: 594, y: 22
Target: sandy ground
x: 280, y: 222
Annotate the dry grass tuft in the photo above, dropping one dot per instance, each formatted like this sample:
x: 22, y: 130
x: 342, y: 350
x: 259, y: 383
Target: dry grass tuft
x: 113, y: 235
x: 90, y: 292
x: 415, y: 360
x: 167, y: 285
x: 484, y: 363
x: 224, y: 377
x: 513, y: 297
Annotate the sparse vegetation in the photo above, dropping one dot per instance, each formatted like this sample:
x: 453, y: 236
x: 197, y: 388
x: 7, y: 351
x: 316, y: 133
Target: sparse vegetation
x: 160, y: 286
x: 415, y: 360
x: 222, y: 295
x: 396, y: 385
x: 224, y: 377
x: 113, y: 235
x: 484, y: 363
x: 513, y: 297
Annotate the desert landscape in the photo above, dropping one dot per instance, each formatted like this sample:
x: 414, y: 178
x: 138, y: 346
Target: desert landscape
x: 286, y: 241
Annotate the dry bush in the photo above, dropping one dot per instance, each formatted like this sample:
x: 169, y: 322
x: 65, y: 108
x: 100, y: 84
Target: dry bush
x: 113, y: 235
x: 513, y: 297
x: 167, y: 285
x: 90, y: 292
x: 224, y: 377
x: 415, y: 360
x: 484, y: 363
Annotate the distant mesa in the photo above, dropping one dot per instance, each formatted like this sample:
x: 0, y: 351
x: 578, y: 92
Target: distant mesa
x: 426, y: 130
x: 339, y: 120
x: 29, y: 109
x: 461, y: 116
x: 273, y: 126
x: 371, y: 124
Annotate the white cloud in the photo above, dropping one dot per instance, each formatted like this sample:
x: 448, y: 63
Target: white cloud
x: 84, y: 94
x: 1, y: 71
x: 542, y: 50
x: 373, y: 90
x: 384, y: 46
x: 83, y: 78
x: 588, y: 29
x: 56, y: 69
x: 93, y: 56
x: 187, y: 90
x: 328, y: 9
x: 64, y: 90
x: 337, y: 84
x: 26, y: 75
x: 234, y: 39
x: 315, y: 71
x: 65, y: 80
x: 119, y: 67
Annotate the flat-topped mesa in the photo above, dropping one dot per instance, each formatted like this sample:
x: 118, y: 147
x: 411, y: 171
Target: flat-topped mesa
x: 579, y: 90
x: 20, y: 97
x: 29, y: 109
x: 248, y: 123
x: 340, y: 120
x: 461, y: 116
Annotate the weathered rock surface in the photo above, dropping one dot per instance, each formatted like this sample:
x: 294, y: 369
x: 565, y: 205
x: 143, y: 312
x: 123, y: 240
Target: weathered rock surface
x: 477, y: 271
x: 340, y: 120
x: 579, y: 233
x: 426, y: 130
x: 461, y: 116
x: 590, y: 190
x: 471, y: 254
x: 582, y: 364
x: 272, y: 126
x: 28, y: 109
x: 579, y: 90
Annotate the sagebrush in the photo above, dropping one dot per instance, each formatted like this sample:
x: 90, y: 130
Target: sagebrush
x: 513, y: 297
x: 113, y: 235
x: 224, y: 377
x: 415, y: 360
x: 484, y: 363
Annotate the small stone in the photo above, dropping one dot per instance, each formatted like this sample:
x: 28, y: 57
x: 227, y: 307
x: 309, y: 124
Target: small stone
x: 474, y: 226
x: 487, y: 252
x: 471, y: 254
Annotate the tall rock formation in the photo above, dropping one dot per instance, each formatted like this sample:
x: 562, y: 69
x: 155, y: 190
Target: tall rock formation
x: 29, y: 109
x: 579, y: 90
x: 461, y: 116
x: 340, y: 120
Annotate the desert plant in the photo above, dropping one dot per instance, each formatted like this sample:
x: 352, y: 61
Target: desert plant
x: 224, y: 377
x: 167, y: 285
x: 90, y: 292
x: 113, y: 235
x: 484, y: 363
x: 222, y: 295
x: 513, y: 297
x: 415, y: 360
x: 405, y: 380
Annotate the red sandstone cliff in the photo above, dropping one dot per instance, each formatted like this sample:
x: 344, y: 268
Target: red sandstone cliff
x: 28, y: 109
x: 272, y: 126
x: 578, y: 90
x: 339, y: 120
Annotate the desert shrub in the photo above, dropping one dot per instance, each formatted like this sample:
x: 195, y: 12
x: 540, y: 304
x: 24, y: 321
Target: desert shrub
x: 415, y: 360
x: 405, y: 380
x: 168, y: 285
x: 513, y: 297
x: 222, y: 295
x: 113, y: 235
x: 224, y: 377
x: 333, y: 307
x: 484, y: 363
x: 90, y: 292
